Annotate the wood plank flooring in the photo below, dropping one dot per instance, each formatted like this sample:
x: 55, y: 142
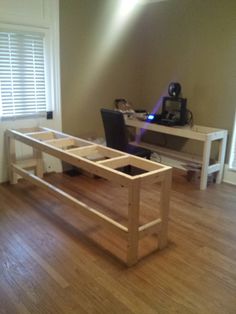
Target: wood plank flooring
x: 53, y: 260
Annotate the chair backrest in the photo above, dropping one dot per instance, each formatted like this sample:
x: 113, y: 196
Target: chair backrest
x: 115, y: 130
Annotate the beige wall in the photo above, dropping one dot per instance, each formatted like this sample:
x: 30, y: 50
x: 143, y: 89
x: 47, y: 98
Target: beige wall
x: 98, y: 63
x: 193, y: 42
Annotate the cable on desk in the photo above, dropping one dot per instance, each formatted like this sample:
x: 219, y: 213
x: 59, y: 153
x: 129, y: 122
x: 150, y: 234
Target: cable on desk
x: 189, y: 117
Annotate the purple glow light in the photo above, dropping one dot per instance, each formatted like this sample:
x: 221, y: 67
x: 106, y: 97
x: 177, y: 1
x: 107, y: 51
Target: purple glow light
x: 154, y: 110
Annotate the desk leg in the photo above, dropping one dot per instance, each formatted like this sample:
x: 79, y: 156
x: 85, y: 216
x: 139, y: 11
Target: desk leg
x: 221, y: 158
x: 133, y: 223
x: 205, y: 164
x: 138, y: 135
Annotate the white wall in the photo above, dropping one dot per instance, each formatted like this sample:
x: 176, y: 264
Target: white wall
x: 43, y: 14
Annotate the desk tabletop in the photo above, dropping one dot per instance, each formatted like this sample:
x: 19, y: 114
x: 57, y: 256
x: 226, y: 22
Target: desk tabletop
x: 196, y: 132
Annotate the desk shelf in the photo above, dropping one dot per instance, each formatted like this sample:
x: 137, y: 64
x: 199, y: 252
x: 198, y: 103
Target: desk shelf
x: 170, y: 152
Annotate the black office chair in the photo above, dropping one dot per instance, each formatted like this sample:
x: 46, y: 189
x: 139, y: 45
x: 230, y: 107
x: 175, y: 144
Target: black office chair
x: 116, y: 134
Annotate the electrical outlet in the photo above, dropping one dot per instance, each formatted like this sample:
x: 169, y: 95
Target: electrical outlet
x: 49, y: 115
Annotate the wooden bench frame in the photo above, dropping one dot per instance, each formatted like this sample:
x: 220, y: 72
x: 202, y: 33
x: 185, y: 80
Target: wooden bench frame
x: 76, y: 152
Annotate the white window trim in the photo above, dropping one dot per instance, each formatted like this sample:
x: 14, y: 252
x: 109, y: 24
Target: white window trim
x: 49, y: 81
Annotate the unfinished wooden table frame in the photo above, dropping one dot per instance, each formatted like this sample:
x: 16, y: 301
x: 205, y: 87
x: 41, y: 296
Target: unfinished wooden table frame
x: 199, y: 133
x: 77, y: 152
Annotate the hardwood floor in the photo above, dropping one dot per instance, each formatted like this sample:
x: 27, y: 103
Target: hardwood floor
x: 52, y: 260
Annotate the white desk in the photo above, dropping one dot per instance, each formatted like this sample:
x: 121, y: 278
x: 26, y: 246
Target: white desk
x: 199, y: 133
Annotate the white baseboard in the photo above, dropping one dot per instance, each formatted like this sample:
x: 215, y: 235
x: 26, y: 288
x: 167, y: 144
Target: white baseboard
x: 229, y: 175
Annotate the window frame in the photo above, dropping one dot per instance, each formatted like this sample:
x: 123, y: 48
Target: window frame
x: 48, y: 67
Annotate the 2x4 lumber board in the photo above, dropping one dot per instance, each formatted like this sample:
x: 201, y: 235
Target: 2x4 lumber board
x: 185, y: 132
x: 152, y: 177
x: 42, y: 136
x: 109, y: 152
x: 84, y: 151
x: 164, y: 209
x: 205, y: 164
x: 31, y: 130
x: 145, y: 164
x: 116, y: 162
x: 60, y: 134
x: 96, y: 149
x: 38, y: 155
x: 89, y: 152
x: 221, y: 158
x: 205, y: 129
x: 26, y: 163
x: 36, y: 133
x: 150, y: 228
x: 170, y: 153
x: 60, y: 142
x: 133, y: 223
x: 71, y: 150
x: 71, y: 201
x: 99, y: 170
x: 213, y: 168
x: 78, y: 143
x: 218, y: 135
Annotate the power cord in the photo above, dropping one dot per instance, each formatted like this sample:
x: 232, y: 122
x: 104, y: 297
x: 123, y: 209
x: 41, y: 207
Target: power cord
x: 189, y: 117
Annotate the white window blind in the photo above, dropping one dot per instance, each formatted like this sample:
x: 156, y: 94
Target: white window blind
x: 22, y: 74
x: 232, y: 159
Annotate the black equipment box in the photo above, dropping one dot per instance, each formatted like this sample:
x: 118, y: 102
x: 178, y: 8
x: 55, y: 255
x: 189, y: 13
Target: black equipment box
x: 175, y: 110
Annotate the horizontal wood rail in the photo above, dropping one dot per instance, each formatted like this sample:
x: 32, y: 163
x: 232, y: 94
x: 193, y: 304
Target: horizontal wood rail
x: 71, y: 201
x: 150, y: 228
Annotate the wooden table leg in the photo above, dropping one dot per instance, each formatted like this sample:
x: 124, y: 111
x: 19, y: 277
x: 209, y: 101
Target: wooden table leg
x: 221, y: 158
x: 138, y: 135
x: 39, y: 162
x: 133, y: 223
x: 164, y: 209
x: 205, y: 164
